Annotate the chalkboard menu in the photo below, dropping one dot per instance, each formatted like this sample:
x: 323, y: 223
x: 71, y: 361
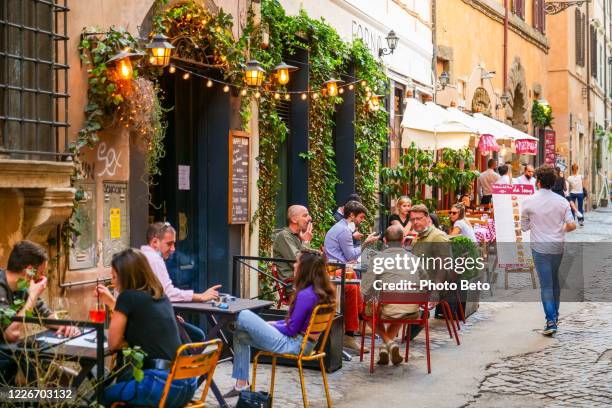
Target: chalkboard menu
x: 239, y: 158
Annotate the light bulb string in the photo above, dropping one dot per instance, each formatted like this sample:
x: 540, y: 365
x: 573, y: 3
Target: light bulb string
x: 263, y: 90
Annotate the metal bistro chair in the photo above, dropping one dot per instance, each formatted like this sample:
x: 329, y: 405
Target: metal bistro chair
x: 320, y: 322
x: 398, y: 298
x: 284, y: 295
x: 191, y: 366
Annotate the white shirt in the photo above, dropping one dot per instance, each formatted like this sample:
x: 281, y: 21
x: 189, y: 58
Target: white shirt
x: 575, y: 184
x: 486, y: 180
x: 159, y: 269
x: 545, y: 214
x: 523, y: 180
x: 505, y: 179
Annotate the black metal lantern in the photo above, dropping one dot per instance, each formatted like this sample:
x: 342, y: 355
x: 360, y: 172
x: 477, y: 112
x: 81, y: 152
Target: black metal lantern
x: 160, y: 50
x: 123, y: 62
x: 282, y: 72
x: 392, y: 40
x: 332, y: 86
x: 444, y: 79
x: 254, y: 73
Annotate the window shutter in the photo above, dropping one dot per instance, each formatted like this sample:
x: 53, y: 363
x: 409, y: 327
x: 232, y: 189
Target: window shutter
x: 593, y: 50
x: 579, y: 37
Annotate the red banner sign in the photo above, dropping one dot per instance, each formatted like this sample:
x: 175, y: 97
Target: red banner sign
x: 487, y: 144
x: 549, y: 147
x: 522, y: 189
x: 526, y: 146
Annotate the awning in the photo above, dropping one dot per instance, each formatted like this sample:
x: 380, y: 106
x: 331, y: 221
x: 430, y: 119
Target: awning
x: 499, y: 129
x: 429, y: 127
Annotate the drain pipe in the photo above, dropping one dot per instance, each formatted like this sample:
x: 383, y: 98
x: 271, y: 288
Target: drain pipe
x: 505, y: 76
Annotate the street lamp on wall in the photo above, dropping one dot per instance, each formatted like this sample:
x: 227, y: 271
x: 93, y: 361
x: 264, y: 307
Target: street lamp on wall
x: 123, y: 63
x: 392, y: 40
x: 160, y: 50
x: 505, y: 98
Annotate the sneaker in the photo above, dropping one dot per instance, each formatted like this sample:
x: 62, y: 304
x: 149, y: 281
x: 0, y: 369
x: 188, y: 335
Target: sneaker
x: 383, y: 355
x: 350, y: 343
x: 396, y: 357
x: 581, y: 222
x: 579, y: 214
x: 550, y: 329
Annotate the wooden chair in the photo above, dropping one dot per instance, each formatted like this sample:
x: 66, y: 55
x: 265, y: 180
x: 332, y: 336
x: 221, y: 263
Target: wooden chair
x: 320, y: 322
x: 191, y: 366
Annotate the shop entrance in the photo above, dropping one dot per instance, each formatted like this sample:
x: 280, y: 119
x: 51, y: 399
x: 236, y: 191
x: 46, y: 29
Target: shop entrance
x: 191, y: 192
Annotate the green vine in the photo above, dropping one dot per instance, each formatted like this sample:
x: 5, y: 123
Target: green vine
x: 541, y: 114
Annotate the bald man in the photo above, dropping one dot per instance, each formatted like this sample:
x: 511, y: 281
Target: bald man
x: 291, y: 239
x: 527, y: 177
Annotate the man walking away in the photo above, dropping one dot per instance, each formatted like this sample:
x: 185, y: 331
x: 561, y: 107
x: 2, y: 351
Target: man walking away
x: 486, y: 180
x: 548, y: 216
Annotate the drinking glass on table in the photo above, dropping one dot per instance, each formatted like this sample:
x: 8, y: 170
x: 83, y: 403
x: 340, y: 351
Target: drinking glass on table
x: 60, y: 307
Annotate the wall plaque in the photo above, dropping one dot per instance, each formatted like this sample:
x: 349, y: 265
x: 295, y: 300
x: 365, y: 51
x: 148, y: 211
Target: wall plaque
x: 116, y: 222
x: 239, y: 180
x: 83, y: 248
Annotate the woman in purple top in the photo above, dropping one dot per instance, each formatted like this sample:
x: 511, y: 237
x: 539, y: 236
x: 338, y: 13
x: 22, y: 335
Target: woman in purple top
x: 312, y: 287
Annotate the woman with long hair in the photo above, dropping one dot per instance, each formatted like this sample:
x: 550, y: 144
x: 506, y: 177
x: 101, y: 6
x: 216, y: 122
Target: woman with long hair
x: 576, y: 189
x: 460, y: 226
x: 402, y: 215
x: 312, y: 287
x: 143, y: 316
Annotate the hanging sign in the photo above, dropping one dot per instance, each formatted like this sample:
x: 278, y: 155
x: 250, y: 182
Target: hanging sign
x: 526, y: 146
x: 487, y: 144
x: 549, y: 147
x: 239, y: 180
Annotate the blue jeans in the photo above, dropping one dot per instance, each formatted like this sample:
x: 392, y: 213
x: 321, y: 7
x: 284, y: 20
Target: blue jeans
x: 196, y: 335
x: 149, y: 391
x: 580, y: 198
x: 252, y: 330
x: 547, y: 266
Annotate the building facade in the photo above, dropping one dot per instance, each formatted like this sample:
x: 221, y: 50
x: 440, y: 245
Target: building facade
x: 495, y: 54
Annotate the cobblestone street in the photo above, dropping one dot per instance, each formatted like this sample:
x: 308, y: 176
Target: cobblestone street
x: 503, y: 361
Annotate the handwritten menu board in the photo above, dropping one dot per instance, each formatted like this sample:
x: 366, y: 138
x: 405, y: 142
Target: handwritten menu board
x: 239, y: 159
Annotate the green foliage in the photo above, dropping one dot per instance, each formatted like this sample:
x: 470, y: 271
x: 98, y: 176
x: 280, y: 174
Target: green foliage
x: 463, y: 247
x: 541, y: 114
x: 134, y: 357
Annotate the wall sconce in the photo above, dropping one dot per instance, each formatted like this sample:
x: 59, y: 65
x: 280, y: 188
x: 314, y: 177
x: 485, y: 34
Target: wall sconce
x: 332, y: 86
x: 392, y: 40
x: 374, y: 103
x: 444, y: 79
x: 282, y: 72
x: 253, y: 73
x: 123, y: 63
x: 160, y: 50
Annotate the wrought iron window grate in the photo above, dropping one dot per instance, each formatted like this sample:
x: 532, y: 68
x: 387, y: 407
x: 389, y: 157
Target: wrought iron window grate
x: 34, y: 79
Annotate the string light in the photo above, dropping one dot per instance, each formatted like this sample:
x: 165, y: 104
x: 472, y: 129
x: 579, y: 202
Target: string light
x: 172, y: 69
x: 226, y: 88
x: 209, y: 83
x: 287, y: 97
x: 315, y: 95
x: 218, y: 29
x: 257, y: 94
x: 368, y: 89
x: 277, y: 96
x: 304, y: 96
x: 243, y: 92
x: 341, y: 91
x: 186, y: 75
x: 363, y: 83
x: 351, y: 86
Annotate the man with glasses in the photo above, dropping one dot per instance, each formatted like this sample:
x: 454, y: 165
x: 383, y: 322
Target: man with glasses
x: 430, y: 242
x: 161, y: 237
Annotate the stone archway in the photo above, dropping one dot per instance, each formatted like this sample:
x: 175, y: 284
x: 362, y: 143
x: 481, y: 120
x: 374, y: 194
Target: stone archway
x: 481, y: 102
x: 518, y: 106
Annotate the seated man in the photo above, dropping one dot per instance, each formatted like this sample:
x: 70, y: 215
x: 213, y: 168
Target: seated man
x: 292, y: 239
x: 21, y: 288
x: 339, y: 248
x: 378, y: 270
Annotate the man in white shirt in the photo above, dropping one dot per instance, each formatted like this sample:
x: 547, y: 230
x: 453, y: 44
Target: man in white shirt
x: 527, y: 177
x: 486, y: 180
x: 548, y: 216
x: 504, y: 177
x: 161, y: 237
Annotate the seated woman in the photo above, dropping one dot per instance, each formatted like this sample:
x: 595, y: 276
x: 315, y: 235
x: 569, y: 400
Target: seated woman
x: 312, y: 287
x: 143, y: 316
x: 402, y: 215
x: 460, y: 226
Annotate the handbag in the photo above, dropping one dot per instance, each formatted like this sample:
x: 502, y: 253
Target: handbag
x: 251, y: 399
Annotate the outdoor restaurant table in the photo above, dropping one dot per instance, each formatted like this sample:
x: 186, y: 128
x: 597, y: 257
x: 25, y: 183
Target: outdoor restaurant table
x: 75, y: 349
x: 219, y: 318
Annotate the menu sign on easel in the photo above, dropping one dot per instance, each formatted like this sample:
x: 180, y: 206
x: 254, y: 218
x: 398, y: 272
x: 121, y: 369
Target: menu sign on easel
x: 239, y: 159
x: 512, y: 242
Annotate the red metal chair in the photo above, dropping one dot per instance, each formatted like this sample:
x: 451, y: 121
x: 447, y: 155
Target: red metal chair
x: 397, y: 298
x: 451, y: 320
x: 284, y: 296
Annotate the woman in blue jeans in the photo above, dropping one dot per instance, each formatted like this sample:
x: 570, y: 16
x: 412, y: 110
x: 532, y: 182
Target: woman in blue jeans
x: 143, y: 316
x: 312, y: 287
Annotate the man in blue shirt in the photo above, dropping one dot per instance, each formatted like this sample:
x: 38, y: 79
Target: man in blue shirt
x: 339, y: 248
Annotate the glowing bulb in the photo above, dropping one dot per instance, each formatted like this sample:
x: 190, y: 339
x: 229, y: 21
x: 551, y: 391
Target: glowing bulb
x: 315, y: 95
x: 257, y: 94
x: 283, y: 76
x: 363, y: 83
x: 276, y: 95
x: 125, y: 68
x: 218, y: 29
x: 186, y: 75
x: 243, y: 92
x: 341, y: 91
x: 332, y: 89
x: 287, y: 97
x: 368, y: 89
x: 209, y: 83
x: 226, y: 88
x: 351, y: 87
x: 223, y: 58
x: 304, y: 96
x: 172, y: 69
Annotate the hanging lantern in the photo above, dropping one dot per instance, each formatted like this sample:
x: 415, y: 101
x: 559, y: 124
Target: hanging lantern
x: 374, y: 103
x: 332, y: 86
x: 282, y: 72
x: 123, y: 63
x: 160, y: 50
x: 253, y: 73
